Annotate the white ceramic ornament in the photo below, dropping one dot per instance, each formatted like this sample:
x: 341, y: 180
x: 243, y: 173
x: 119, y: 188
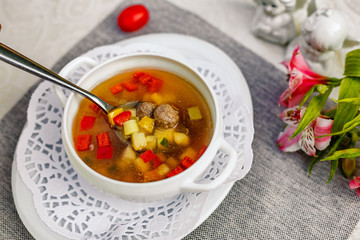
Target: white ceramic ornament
x: 273, y: 21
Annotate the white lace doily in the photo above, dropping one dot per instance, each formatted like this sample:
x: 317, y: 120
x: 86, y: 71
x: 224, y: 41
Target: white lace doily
x: 71, y: 207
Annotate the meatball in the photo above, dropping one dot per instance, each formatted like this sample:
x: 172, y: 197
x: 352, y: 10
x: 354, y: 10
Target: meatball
x: 166, y: 116
x: 145, y: 109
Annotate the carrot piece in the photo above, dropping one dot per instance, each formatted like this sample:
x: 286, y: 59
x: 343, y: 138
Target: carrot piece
x: 130, y: 86
x: 87, y: 122
x: 155, y: 85
x: 147, y: 156
x: 83, y: 142
x: 104, y: 152
x: 116, y: 88
x: 175, y: 172
x: 122, y: 117
x: 187, y: 162
x: 103, y: 139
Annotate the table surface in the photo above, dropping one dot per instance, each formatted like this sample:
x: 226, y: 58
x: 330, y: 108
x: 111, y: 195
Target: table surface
x: 38, y: 28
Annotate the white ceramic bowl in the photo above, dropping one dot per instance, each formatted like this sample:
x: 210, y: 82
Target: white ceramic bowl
x: 144, y: 192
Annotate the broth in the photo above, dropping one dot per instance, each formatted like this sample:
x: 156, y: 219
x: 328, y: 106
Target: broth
x: 164, y: 142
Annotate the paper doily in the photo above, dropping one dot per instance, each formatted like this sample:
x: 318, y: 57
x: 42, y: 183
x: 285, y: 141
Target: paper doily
x: 74, y: 209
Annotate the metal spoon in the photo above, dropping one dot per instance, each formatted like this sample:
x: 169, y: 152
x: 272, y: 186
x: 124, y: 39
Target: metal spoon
x: 18, y: 60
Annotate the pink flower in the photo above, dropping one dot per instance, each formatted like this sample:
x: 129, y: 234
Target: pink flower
x: 355, y: 184
x: 306, y: 140
x: 302, y: 79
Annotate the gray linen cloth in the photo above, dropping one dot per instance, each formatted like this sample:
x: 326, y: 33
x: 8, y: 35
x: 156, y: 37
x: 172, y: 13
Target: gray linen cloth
x: 276, y: 200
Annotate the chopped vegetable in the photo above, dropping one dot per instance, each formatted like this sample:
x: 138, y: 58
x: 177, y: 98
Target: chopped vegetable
x: 94, y: 107
x: 201, y: 152
x: 190, y: 152
x: 160, y: 134
x: 87, y: 122
x: 187, y: 162
x: 103, y: 139
x: 104, y: 152
x: 157, y: 98
x: 138, y: 141
x: 147, y: 156
x: 194, y: 113
x: 164, y: 142
x: 130, y: 86
x: 175, y: 172
x: 145, y: 79
x: 122, y: 117
x: 150, y: 142
x: 133, y: 112
x: 147, y: 124
x: 172, y: 162
x: 151, y: 176
x: 128, y: 153
x: 116, y: 88
x: 141, y: 165
x: 137, y: 75
x: 130, y: 127
x: 113, y: 114
x: 163, y: 169
x: 181, y: 139
x: 83, y: 142
x: 155, y: 85
x: 156, y: 162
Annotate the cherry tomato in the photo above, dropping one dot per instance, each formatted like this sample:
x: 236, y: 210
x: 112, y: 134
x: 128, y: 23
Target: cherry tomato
x: 133, y: 18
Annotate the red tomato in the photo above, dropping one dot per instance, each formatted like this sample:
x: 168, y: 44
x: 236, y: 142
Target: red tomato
x: 133, y: 18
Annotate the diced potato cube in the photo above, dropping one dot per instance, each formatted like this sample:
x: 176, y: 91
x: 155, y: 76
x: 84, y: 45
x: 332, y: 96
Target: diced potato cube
x: 138, y: 141
x: 161, y: 156
x: 113, y: 114
x: 150, y: 142
x: 141, y: 166
x: 130, y: 127
x: 163, y: 169
x: 194, y: 113
x: 128, y: 153
x: 147, y: 124
x: 190, y: 152
x: 181, y: 139
x: 172, y: 162
x: 133, y: 112
x: 157, y: 98
x: 160, y: 134
x: 151, y: 176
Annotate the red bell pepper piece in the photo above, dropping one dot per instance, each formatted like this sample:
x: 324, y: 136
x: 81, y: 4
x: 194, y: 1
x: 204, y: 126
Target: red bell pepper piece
x: 175, y: 172
x: 116, y: 88
x: 130, y: 86
x: 145, y: 79
x: 105, y: 152
x: 83, y: 142
x: 201, y: 152
x: 156, y: 162
x: 121, y: 118
x: 187, y: 162
x: 103, y: 139
x: 155, y: 85
x: 147, y: 156
x: 94, y: 107
x: 87, y: 122
x: 137, y: 75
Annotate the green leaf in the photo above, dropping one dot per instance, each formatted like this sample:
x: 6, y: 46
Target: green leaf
x: 334, y: 165
x: 352, y: 64
x: 349, y: 88
x: 313, y: 111
x: 164, y: 142
x: 354, y: 101
x: 346, y: 153
x: 330, y: 113
x: 306, y: 96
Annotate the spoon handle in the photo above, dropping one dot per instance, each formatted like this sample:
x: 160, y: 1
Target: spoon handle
x: 18, y: 60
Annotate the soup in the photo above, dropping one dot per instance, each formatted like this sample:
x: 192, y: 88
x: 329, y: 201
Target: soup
x: 164, y: 118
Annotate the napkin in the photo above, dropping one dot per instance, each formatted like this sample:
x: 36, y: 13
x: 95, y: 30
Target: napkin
x: 276, y: 200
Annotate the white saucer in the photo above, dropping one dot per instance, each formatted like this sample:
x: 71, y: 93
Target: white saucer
x: 192, y: 48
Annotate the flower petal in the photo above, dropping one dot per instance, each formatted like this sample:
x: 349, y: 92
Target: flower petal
x: 286, y: 144
x: 307, y: 141
x: 355, y: 183
x: 322, y: 127
x: 293, y: 115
